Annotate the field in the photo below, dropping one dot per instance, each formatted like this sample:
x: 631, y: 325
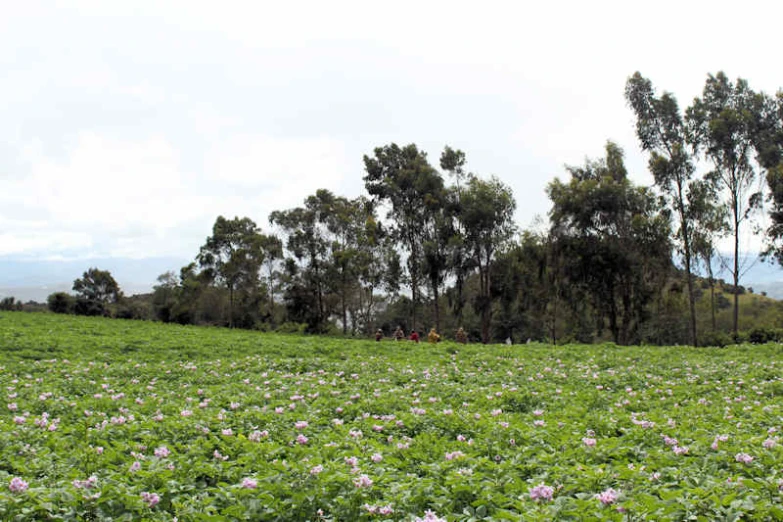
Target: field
x: 118, y: 420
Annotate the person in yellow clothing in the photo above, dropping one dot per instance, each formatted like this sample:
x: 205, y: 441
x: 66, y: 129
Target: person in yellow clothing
x: 433, y: 336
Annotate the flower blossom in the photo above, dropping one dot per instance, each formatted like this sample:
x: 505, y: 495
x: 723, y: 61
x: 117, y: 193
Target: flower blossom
x: 17, y: 485
x: 430, y: 516
x: 151, y: 499
x: 743, y: 457
x: 607, y: 497
x: 542, y: 492
x: 363, y: 481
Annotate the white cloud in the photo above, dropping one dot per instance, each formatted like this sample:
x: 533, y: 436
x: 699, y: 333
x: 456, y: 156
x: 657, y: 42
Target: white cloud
x: 267, y: 173
x: 103, y: 193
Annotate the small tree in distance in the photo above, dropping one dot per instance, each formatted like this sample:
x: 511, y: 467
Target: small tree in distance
x: 95, y: 290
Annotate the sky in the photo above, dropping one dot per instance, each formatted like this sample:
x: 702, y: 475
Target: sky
x: 126, y: 128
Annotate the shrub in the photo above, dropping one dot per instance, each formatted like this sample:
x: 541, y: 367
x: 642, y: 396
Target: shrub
x: 61, y: 303
x: 719, y: 339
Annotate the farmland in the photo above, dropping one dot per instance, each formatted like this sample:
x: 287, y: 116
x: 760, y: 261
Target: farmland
x: 120, y: 420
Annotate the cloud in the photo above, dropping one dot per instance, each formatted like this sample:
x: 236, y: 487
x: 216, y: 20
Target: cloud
x: 127, y: 198
x: 102, y: 193
x: 263, y: 173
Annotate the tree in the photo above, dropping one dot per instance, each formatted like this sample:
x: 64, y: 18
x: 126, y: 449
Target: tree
x: 721, y: 124
x: 272, y: 249
x: 661, y: 132
x: 308, y: 242
x: 165, y: 296
x: 768, y: 143
x: 461, y: 264
x: 232, y: 256
x: 95, y: 290
x: 710, y: 223
x: 487, y: 212
x: 613, y: 238
x: 61, y: 303
x: 403, y: 178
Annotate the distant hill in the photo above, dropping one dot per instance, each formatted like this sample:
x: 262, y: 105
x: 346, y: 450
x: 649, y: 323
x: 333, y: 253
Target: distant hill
x: 34, y: 280
x: 760, y: 276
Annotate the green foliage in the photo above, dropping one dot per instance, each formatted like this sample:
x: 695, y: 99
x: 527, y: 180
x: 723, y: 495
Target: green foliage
x: 61, y: 303
x: 465, y: 431
x: 10, y: 304
x: 96, y: 288
x: 613, y: 240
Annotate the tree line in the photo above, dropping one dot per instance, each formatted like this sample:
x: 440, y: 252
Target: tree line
x: 428, y: 247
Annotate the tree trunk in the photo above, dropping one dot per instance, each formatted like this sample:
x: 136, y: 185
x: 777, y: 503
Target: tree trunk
x: 231, y: 306
x: 689, y: 274
x: 736, y: 267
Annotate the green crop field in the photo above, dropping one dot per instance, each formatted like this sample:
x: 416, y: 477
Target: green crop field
x: 119, y: 420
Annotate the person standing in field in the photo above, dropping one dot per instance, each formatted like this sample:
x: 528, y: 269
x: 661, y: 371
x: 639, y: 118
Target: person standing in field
x: 378, y: 335
x: 414, y: 336
x: 433, y: 336
x: 461, y: 336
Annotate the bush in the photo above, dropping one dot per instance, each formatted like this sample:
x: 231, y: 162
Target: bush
x: 763, y: 335
x: 292, y: 328
x: 61, y: 303
x: 89, y: 307
x: 719, y: 339
x: 10, y: 304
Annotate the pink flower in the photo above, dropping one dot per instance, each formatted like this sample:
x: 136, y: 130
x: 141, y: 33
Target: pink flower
x: 151, y: 499
x: 743, y: 457
x: 315, y: 470
x: 607, y: 497
x: 300, y: 425
x: 769, y: 443
x: 588, y: 441
x: 542, y: 493
x: 352, y: 461
x: 18, y: 485
x: 301, y: 439
x: 85, y: 484
x: 363, y: 481
x: 430, y: 516
x: 162, y: 452
x: 227, y: 432
x: 249, y: 483
x: 454, y: 455
x: 376, y: 457
x: 538, y: 413
x: 136, y: 466
x: 256, y: 435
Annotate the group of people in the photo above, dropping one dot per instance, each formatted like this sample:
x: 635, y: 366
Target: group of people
x: 432, y: 337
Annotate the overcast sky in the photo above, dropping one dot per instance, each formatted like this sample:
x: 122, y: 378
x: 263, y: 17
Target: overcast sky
x: 126, y: 128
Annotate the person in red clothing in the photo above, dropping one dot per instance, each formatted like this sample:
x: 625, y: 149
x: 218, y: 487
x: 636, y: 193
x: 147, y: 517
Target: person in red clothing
x: 414, y: 336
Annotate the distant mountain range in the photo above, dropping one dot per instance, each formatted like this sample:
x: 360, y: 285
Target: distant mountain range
x: 34, y: 280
